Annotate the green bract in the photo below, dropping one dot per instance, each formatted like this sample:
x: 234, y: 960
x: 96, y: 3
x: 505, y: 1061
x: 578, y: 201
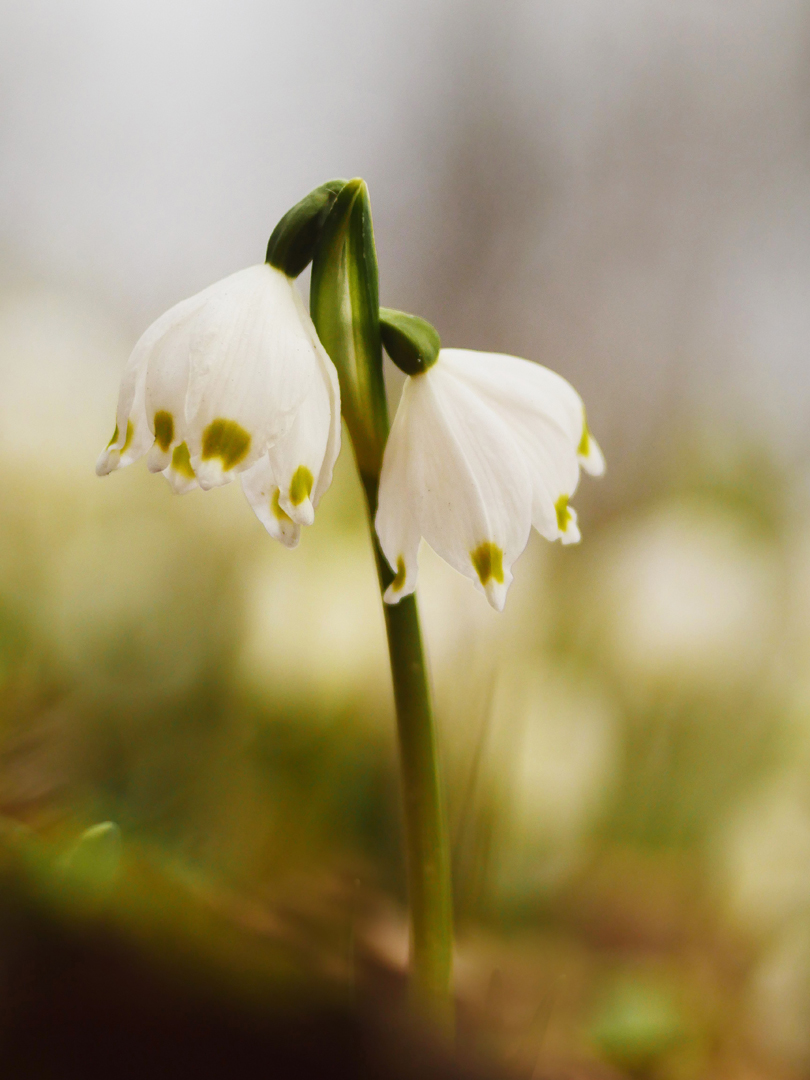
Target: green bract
x: 294, y: 239
x: 411, y: 342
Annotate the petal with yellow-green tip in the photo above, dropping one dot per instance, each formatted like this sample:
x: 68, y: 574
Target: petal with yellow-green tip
x: 262, y: 492
x: 483, y: 446
x: 179, y: 472
x: 303, y: 459
x: 453, y: 474
x: 225, y: 378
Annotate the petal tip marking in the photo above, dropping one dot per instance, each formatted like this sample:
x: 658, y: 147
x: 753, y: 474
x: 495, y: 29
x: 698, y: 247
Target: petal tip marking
x: 297, y: 502
x: 301, y: 485
x: 399, y: 579
x: 400, y: 586
x: 226, y: 440
x: 181, y: 462
x: 225, y: 444
x: 110, y: 457
x: 567, y: 521
x: 163, y: 427
x: 487, y: 559
x: 179, y: 472
x: 287, y: 531
x: 589, y: 452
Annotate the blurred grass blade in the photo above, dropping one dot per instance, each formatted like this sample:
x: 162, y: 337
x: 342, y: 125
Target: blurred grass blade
x: 94, y: 862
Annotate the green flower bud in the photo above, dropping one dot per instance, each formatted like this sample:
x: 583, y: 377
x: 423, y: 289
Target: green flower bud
x: 344, y: 304
x: 296, y: 236
x: 411, y: 342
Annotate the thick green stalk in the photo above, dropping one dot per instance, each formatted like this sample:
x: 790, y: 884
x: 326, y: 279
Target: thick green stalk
x: 344, y: 305
x: 426, y: 841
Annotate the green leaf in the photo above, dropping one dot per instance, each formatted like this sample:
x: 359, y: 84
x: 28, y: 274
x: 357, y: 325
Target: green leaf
x: 294, y: 239
x: 344, y: 304
x: 411, y: 342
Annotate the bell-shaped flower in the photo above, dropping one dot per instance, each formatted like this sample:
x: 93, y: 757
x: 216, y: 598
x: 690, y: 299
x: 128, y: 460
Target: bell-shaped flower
x: 482, y: 448
x: 235, y: 381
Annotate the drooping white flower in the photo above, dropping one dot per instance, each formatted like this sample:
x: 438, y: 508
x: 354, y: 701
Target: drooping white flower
x: 235, y: 381
x: 482, y: 448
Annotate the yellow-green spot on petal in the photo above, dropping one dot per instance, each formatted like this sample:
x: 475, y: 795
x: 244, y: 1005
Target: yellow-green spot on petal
x: 487, y: 559
x: 127, y: 440
x: 226, y: 440
x: 278, y: 512
x: 563, y: 513
x: 585, y: 441
x: 399, y: 580
x: 164, y: 429
x: 181, y: 461
x: 300, y: 485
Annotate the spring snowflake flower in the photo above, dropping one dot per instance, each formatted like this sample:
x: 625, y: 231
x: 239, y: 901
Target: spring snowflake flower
x: 482, y: 448
x: 235, y: 381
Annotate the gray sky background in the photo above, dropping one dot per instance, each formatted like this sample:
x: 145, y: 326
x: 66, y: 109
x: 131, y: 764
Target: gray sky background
x: 618, y: 190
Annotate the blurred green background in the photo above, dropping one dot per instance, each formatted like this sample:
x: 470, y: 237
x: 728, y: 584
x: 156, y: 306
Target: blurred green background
x: 627, y: 747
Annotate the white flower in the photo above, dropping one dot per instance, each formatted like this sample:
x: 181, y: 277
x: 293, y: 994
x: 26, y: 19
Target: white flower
x: 235, y: 380
x: 483, y: 446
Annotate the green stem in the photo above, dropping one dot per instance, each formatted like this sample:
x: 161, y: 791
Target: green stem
x: 345, y: 308
x: 426, y: 840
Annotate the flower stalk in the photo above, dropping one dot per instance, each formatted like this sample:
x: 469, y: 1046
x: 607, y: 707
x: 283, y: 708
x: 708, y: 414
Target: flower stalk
x: 344, y: 304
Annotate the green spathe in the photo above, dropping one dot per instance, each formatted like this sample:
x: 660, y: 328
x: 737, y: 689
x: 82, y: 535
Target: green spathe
x: 294, y: 239
x: 344, y: 304
x: 411, y: 342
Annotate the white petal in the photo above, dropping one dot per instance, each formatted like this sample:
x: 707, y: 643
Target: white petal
x: 453, y: 473
x: 302, y: 460
x: 544, y: 415
x: 252, y: 362
x: 262, y: 492
x: 514, y: 380
x: 134, y: 433
x: 330, y: 377
x: 395, y: 521
x: 131, y: 437
x: 167, y: 379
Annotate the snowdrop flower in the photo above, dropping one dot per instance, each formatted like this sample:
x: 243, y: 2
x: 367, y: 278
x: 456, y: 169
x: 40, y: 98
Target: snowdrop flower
x: 235, y: 381
x: 482, y: 448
